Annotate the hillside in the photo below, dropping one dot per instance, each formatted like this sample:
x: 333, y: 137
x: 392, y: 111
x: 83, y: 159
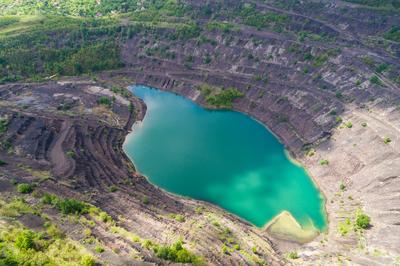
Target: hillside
x: 324, y: 76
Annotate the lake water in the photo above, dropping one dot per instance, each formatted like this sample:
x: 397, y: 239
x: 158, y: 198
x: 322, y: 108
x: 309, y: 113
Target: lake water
x: 223, y: 157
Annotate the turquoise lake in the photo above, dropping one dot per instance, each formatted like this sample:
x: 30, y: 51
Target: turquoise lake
x: 223, y: 157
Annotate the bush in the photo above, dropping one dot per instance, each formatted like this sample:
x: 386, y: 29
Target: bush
x: 387, y: 140
x: 375, y: 80
x: 105, y: 101
x: 363, y: 221
x: 112, y: 188
x: 25, y: 240
x: 71, y: 206
x: 224, y: 98
x: 2, y: 163
x: 3, y: 125
x: 293, y: 255
x: 49, y: 199
x: 176, y: 253
x: 99, y: 249
x: 87, y: 260
x: 324, y: 162
x: 25, y: 188
x: 145, y: 200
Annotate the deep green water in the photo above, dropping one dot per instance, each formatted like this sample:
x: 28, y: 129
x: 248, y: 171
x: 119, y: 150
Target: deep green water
x: 223, y: 157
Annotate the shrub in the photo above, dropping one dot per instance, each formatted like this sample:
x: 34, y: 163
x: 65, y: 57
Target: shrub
x: 113, y: 188
x: 393, y: 34
x: 363, y: 124
x: 382, y: 68
x: 87, y: 260
x: 324, y: 162
x: 2, y: 163
x: 99, y: 249
x: 375, y: 80
x: 49, y: 199
x: 293, y: 255
x: 178, y: 217
x: 387, y: 140
x: 349, y: 124
x: 71, y: 206
x: 363, y: 221
x: 70, y: 154
x: 3, y: 125
x: 105, y: 217
x: 145, y: 200
x: 342, y: 187
x: 105, y: 101
x: 176, y: 253
x: 25, y: 240
x: 25, y: 188
x: 224, y: 98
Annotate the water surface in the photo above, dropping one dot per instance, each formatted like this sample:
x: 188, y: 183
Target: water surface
x: 223, y: 157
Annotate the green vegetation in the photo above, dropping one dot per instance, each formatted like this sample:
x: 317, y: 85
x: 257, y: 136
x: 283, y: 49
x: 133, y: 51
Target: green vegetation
x: 25, y: 188
x: 364, y: 124
x: 387, y: 4
x: 3, y: 125
x: 2, y: 163
x: 393, y: 34
x: 251, y: 17
x: 310, y: 152
x: 348, y: 124
x: 225, y: 97
x: 345, y: 227
x: 324, y: 162
x: 220, y: 97
x: 178, y: 217
x: 99, y: 249
x: 20, y: 246
x: 387, y: 140
x: 105, y: 101
x: 293, y: 255
x: 363, y: 221
x: 112, y: 188
x: 382, y: 67
x: 70, y: 153
x: 71, y: 206
x: 176, y: 253
x: 66, y: 206
x: 375, y: 80
x: 145, y: 200
x: 357, y: 223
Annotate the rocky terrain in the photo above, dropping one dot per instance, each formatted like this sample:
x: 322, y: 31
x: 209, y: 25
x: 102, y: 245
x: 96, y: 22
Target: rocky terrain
x: 62, y: 137
x: 323, y: 76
